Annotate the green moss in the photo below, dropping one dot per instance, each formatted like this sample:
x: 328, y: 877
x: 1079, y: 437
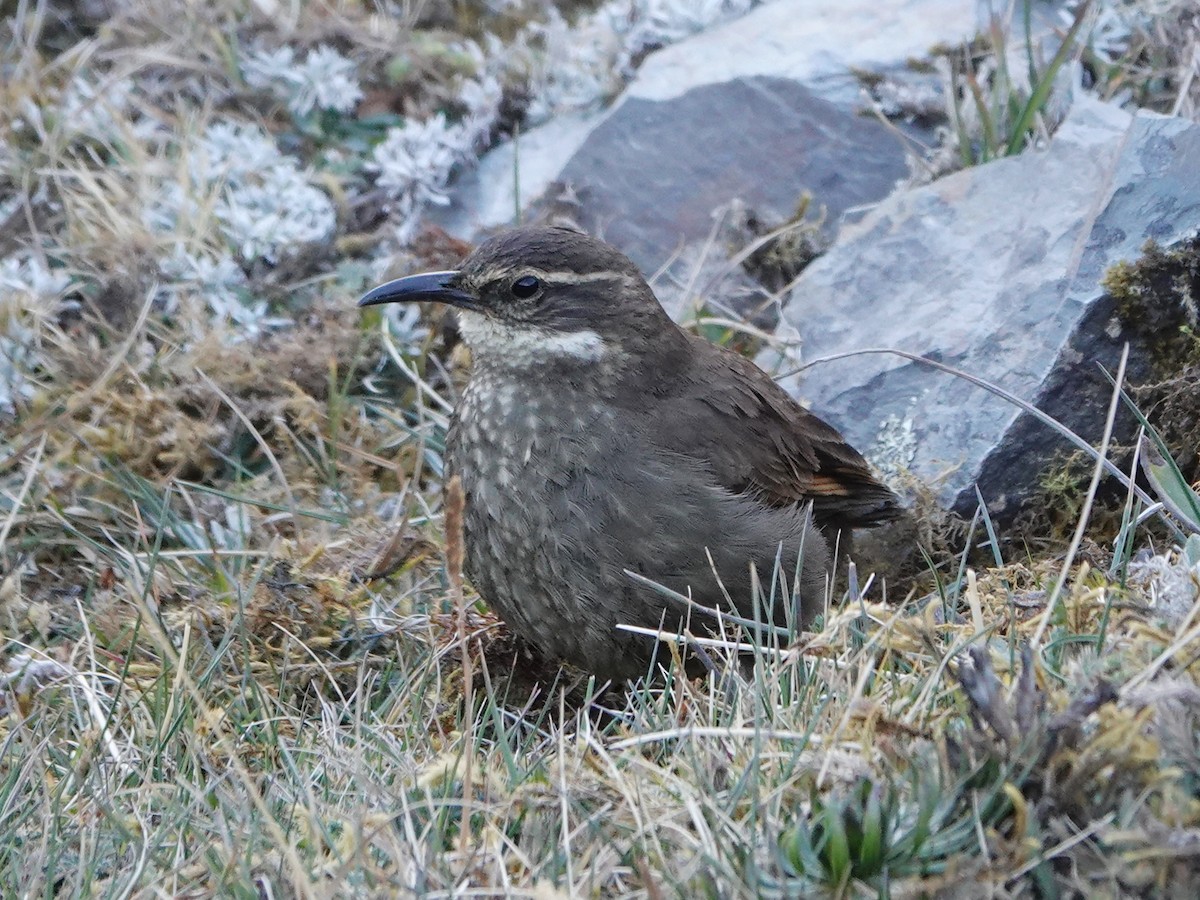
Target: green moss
x: 1158, y: 297
x: 1050, y: 516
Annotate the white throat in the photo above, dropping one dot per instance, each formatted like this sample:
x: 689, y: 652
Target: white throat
x: 527, y: 345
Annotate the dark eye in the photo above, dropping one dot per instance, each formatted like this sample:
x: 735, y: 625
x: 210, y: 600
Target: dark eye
x: 525, y: 287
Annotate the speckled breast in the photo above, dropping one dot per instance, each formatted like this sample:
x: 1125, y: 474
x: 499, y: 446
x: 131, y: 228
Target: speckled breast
x: 529, y: 458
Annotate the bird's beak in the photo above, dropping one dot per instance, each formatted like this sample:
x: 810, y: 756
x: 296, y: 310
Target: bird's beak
x: 436, y: 287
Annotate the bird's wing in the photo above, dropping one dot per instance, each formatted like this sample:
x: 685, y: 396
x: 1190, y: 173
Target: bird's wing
x: 755, y: 438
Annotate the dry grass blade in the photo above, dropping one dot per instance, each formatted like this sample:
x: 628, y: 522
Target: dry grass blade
x: 998, y: 391
x: 1081, y: 525
x: 455, y: 554
x: 32, y: 470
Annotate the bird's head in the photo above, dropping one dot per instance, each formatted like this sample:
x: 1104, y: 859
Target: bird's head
x: 532, y: 295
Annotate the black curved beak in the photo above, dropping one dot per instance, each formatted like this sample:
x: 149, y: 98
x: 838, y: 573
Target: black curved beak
x: 436, y: 287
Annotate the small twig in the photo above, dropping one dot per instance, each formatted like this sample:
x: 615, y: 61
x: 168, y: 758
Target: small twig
x: 455, y: 554
x: 708, y: 731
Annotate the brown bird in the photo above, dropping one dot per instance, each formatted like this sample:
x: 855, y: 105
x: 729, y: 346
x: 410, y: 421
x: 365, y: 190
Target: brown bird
x: 596, y: 436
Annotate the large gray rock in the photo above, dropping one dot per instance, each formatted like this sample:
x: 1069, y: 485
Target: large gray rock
x: 649, y: 177
x: 760, y: 109
x: 995, y: 270
x: 814, y: 42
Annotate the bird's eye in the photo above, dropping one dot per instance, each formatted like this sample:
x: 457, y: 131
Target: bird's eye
x: 525, y: 287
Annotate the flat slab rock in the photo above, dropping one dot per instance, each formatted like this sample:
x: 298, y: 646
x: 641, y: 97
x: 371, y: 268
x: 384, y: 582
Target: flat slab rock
x: 760, y: 109
x: 648, y: 178
x: 994, y: 270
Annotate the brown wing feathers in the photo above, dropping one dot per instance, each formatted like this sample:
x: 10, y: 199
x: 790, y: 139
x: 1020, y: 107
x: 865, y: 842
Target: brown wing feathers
x: 790, y: 456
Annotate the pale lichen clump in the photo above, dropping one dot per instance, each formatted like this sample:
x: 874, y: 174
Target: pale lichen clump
x: 895, y: 448
x: 577, y: 65
x: 31, y: 296
x: 412, y: 166
x: 264, y: 204
x: 1171, y: 581
x: 322, y: 80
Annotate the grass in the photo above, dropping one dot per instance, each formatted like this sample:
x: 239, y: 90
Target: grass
x: 995, y: 111
x: 1009, y: 88
x: 290, y: 739
x: 237, y: 657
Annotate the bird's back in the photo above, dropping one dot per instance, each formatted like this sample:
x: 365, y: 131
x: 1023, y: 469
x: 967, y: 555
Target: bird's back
x: 756, y: 439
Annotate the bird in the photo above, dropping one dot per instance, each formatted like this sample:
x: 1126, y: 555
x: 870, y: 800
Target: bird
x: 596, y: 441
